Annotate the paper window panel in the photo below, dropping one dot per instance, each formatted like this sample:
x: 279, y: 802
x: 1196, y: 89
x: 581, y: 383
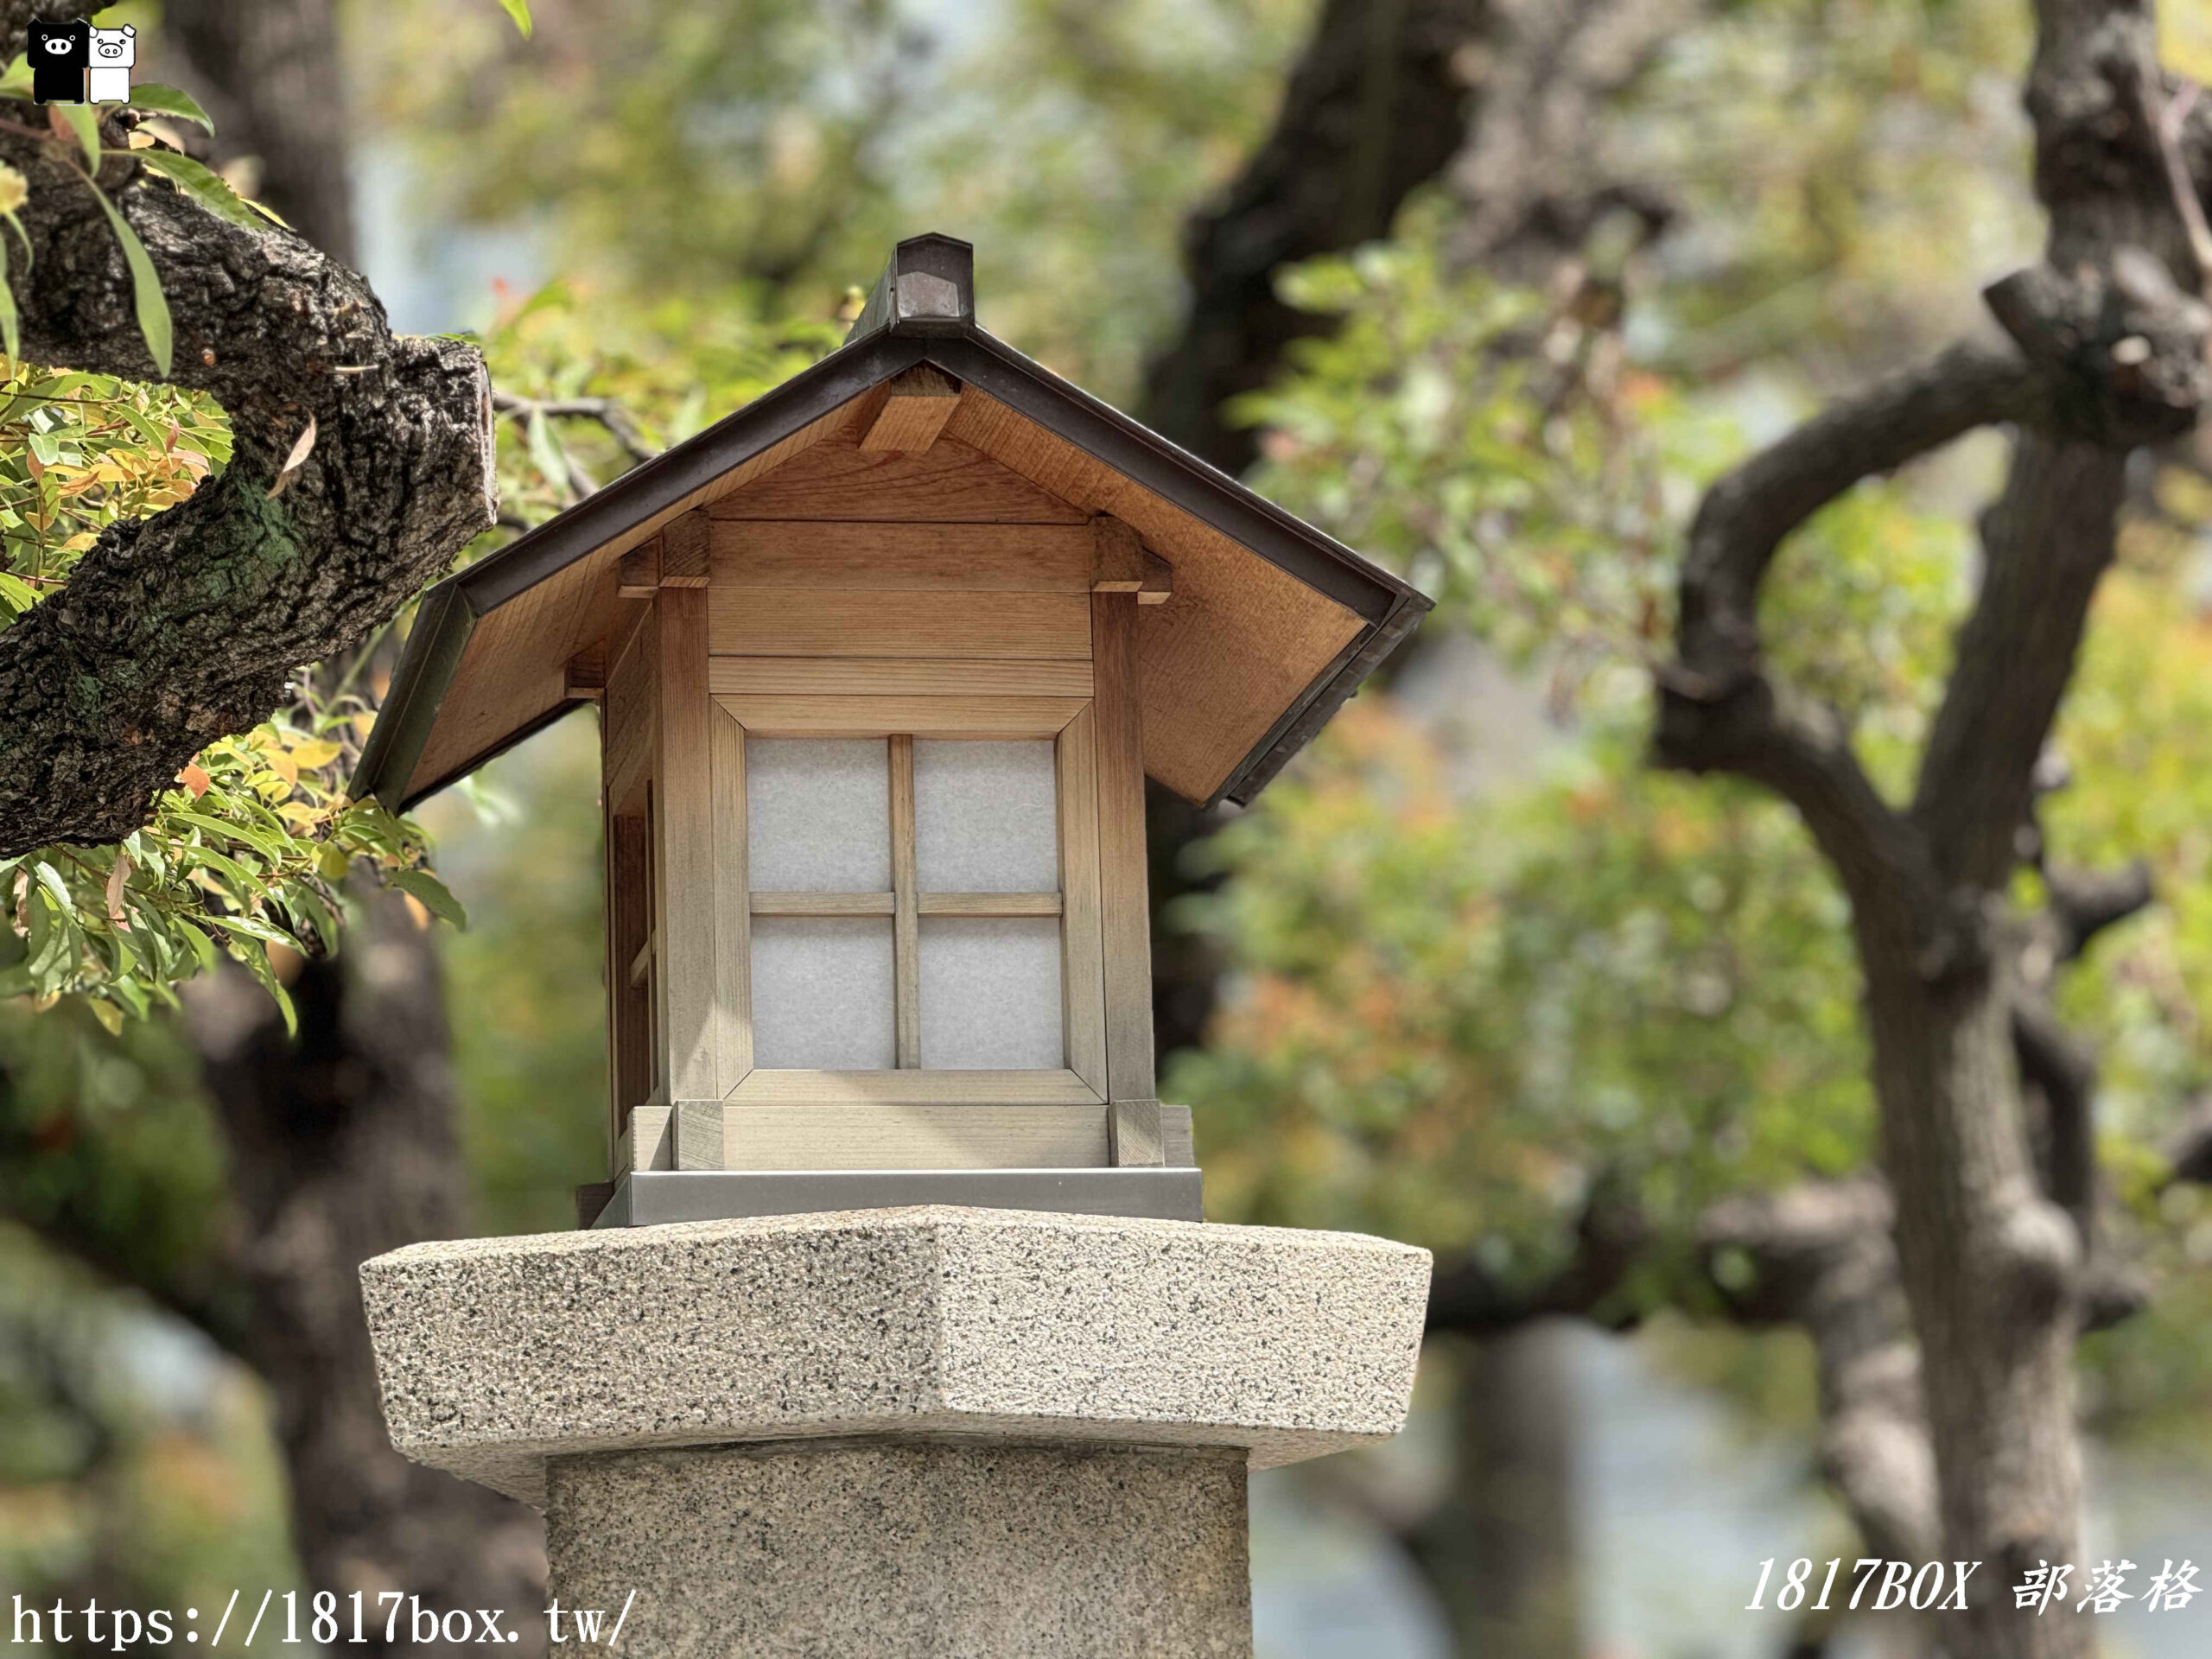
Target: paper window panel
x: 818, y: 814
x: 822, y: 994
x: 985, y: 817
x: 990, y: 994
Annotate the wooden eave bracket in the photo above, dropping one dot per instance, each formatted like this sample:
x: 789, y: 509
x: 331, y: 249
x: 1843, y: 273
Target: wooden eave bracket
x: 917, y: 403
x: 639, y: 577
x: 1121, y: 563
x: 584, y: 678
x: 679, y: 556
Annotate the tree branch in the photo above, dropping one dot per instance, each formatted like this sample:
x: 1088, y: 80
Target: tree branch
x: 1720, y: 709
x: 1820, y: 1256
x: 178, y: 629
x: 1373, y: 109
x: 2046, y: 541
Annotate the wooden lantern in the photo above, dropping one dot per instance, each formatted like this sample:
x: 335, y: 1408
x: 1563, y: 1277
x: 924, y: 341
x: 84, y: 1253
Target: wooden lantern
x: 883, y: 661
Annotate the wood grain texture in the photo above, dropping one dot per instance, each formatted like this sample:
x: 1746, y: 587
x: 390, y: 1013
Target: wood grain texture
x: 510, y: 673
x: 1055, y: 1087
x: 944, y: 1135
x: 831, y: 553
x: 906, y: 929
x: 1125, y: 915
x: 638, y: 577
x: 817, y: 622
x: 1158, y: 584
x: 733, y: 907
x: 698, y: 1134
x: 1242, y: 639
x: 972, y: 717
x: 585, y: 676
x: 881, y: 677
x: 1134, y: 1137
x: 990, y: 904
x: 649, y: 1141
x: 629, y: 911
x: 685, y: 550
x: 949, y: 482
x: 916, y: 404
x: 1116, y: 556
x: 824, y: 904
x: 685, y: 860
x: 1083, y: 984
x: 1175, y: 1139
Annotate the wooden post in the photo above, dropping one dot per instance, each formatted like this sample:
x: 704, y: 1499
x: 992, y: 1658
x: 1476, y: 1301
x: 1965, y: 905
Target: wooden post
x: 686, y: 866
x: 1124, y: 905
x: 906, y: 916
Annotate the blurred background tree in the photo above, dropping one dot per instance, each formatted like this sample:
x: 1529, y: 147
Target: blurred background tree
x: 1489, y: 291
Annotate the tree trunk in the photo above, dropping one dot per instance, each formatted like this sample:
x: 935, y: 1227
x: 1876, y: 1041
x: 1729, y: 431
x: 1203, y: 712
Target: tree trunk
x: 342, y: 1147
x: 1499, y: 1551
x: 269, y: 72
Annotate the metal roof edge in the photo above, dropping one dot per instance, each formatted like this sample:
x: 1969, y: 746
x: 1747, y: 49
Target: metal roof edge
x: 402, y: 731
x: 1389, y: 606
x: 427, y: 667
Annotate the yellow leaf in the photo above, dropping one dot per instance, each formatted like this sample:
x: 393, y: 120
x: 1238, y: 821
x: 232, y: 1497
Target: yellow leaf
x: 320, y: 752
x: 117, y: 878
x: 300, y: 813
x: 283, y: 765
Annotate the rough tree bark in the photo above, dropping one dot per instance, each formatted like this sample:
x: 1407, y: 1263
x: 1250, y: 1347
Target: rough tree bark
x: 341, y: 1143
x: 180, y: 628
x: 2108, y: 354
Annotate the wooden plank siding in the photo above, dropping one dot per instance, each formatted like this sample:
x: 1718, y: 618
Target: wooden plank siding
x: 832, y: 622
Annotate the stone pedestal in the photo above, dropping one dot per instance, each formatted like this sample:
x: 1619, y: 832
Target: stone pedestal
x: 909, y: 1431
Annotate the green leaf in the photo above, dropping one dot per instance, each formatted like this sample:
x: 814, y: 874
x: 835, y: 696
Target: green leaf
x: 254, y: 927
x: 545, y: 453
x: 168, y: 100
x: 204, y: 185
x: 85, y: 122
x: 519, y: 10
x: 50, y: 879
x: 257, y: 962
x: 10, y: 333
x: 145, y: 286
x: 433, y: 894
x: 16, y: 80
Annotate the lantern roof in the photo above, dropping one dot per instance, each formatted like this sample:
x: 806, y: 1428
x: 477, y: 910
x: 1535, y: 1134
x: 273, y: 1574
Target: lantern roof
x: 1274, y: 624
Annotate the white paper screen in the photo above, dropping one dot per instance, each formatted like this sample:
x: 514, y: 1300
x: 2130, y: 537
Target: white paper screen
x: 991, y: 992
x: 986, y: 818
x: 817, y: 814
x: 822, y: 994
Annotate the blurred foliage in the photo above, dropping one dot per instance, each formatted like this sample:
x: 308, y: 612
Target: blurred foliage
x: 135, y: 1462
x: 773, y: 152
x: 1456, y: 1007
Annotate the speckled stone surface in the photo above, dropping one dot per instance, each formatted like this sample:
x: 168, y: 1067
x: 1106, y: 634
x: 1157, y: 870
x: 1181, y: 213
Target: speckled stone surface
x: 901, y: 1550
x: 495, y: 1353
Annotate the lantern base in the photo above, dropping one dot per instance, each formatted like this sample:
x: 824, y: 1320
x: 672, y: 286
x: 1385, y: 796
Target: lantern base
x: 905, y: 1549
x: 648, y: 1197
